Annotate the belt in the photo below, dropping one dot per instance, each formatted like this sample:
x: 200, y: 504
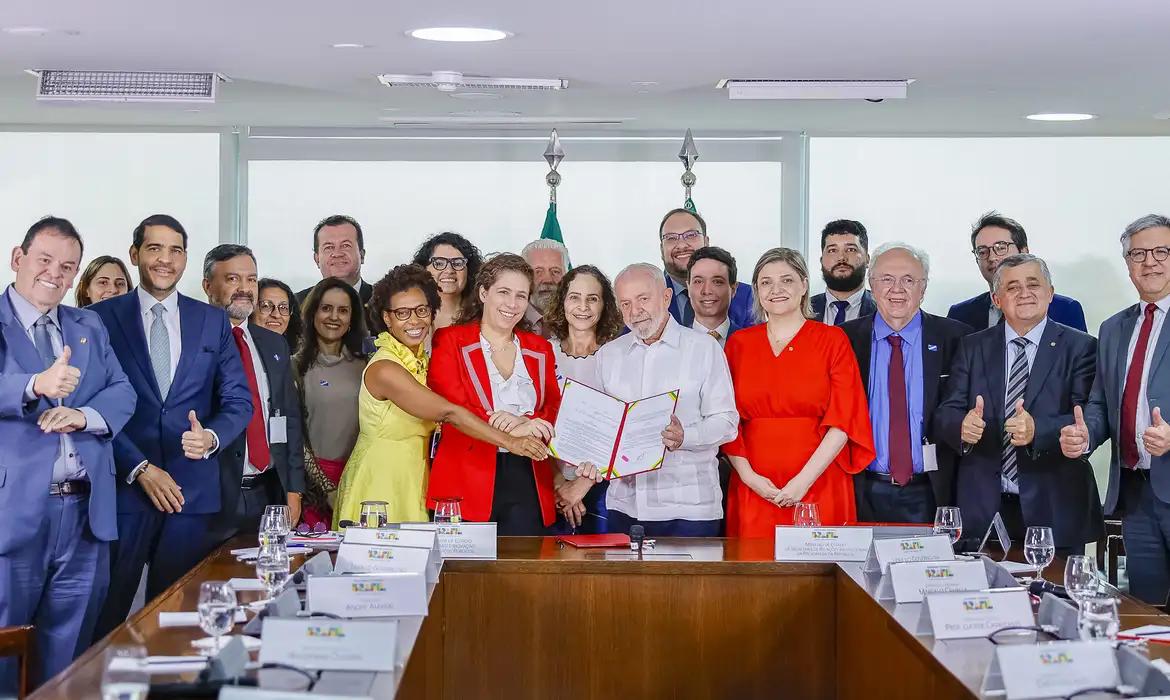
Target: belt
x: 918, y: 478
x: 75, y: 487
x: 252, y: 481
x: 1005, y: 496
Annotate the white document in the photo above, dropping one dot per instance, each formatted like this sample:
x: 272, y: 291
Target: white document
x: 334, y: 645
x: 974, y: 614
x: 462, y: 540
x: 368, y: 595
x: 822, y: 543
x: 913, y: 579
x: 240, y: 692
x: 189, y: 619
x: 246, y: 584
x: 1055, y: 669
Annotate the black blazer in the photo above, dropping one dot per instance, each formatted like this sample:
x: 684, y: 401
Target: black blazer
x: 288, y: 458
x: 868, y: 307
x: 940, y: 339
x: 1054, y: 490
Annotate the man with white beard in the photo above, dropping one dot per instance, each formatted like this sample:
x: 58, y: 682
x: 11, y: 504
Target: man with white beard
x: 550, y: 261
x: 683, y: 497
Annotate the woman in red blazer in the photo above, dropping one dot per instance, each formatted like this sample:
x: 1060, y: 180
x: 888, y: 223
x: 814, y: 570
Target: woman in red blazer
x: 490, y: 364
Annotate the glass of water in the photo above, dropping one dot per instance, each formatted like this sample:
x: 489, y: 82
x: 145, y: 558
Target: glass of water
x: 125, y: 676
x: 217, y: 609
x: 806, y: 515
x: 374, y: 514
x: 1080, y: 578
x: 1039, y: 548
x: 274, y: 526
x: 448, y: 510
x: 272, y: 567
x: 1098, y: 617
x: 948, y: 521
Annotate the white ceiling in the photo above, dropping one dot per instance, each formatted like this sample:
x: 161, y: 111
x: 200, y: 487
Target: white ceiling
x: 978, y: 66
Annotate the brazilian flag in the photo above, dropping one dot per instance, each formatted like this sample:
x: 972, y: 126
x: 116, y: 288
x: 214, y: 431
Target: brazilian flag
x: 552, y: 227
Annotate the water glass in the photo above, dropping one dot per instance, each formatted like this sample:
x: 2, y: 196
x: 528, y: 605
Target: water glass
x: 374, y: 514
x: 1039, y: 548
x: 806, y: 515
x: 1080, y: 578
x: 274, y: 525
x: 272, y: 567
x: 1098, y: 617
x: 217, y: 609
x: 447, y: 510
x: 948, y: 521
x: 125, y: 676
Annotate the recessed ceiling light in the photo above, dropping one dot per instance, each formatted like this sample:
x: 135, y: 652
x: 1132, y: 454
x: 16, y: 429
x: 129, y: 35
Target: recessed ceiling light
x: 1060, y: 117
x: 645, y: 83
x: 391, y: 109
x: 471, y: 95
x: 458, y: 34
x: 348, y: 46
x: 39, y: 31
x: 484, y: 113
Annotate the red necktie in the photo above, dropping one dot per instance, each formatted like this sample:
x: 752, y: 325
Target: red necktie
x: 257, y: 439
x: 1133, y: 387
x: 901, y: 461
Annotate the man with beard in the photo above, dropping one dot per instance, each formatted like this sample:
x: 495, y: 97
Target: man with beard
x: 680, y: 234
x: 844, y: 258
x: 683, y: 497
x: 339, y: 249
x: 192, y: 399
x: 550, y: 261
x: 265, y: 465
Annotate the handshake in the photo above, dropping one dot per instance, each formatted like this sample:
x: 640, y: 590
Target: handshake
x: 1074, y: 439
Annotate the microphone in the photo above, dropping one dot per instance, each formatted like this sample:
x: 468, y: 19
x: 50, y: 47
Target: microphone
x: 346, y: 523
x: 637, y: 534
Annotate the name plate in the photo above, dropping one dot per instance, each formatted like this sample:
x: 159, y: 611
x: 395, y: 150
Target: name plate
x: 462, y: 540
x: 974, y: 614
x: 1056, y: 669
x: 240, y: 692
x: 368, y: 595
x: 330, y: 645
x: 822, y: 543
x: 389, y: 537
x: 362, y: 558
x: 884, y: 552
x: 911, y: 580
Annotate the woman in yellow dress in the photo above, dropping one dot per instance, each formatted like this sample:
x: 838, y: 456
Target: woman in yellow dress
x: 396, y: 410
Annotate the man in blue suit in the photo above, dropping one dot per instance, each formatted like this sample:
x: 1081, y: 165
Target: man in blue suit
x: 1012, y: 388
x: 192, y: 399
x: 844, y: 260
x: 993, y: 238
x: 63, y: 397
x: 680, y: 234
x: 711, y: 282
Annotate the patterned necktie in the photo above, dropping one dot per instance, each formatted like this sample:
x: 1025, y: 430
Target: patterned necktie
x: 840, y: 306
x: 257, y: 439
x: 1017, y: 383
x: 160, y: 350
x: 901, y: 460
x: 44, y: 341
x: 1133, y: 387
x: 715, y: 335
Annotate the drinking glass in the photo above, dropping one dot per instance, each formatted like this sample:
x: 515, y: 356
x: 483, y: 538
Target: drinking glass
x: 125, y: 676
x: 447, y: 510
x: 374, y: 514
x: 217, y: 609
x: 1039, y: 548
x: 272, y: 567
x: 274, y: 525
x: 1098, y: 617
x: 806, y: 515
x: 948, y: 521
x: 1080, y: 578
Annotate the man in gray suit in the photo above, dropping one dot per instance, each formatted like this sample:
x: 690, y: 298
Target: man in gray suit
x: 1130, y: 392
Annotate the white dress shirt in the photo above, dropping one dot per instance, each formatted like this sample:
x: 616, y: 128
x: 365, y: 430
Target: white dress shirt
x: 722, y: 329
x: 851, y: 312
x: 1030, y: 350
x: 170, y: 318
x: 517, y: 393
x: 262, y: 387
x: 1143, y: 406
x: 686, y: 487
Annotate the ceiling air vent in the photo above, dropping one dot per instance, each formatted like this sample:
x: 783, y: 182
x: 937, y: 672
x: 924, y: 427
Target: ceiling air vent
x: 126, y: 86
x: 450, y: 81
x: 814, y: 89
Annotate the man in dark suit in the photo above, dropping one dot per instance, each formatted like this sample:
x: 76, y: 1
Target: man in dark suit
x: 904, y: 354
x: 339, y: 249
x: 711, y: 283
x: 993, y: 238
x: 1130, y: 394
x: 844, y: 258
x: 265, y: 465
x: 680, y: 234
x: 63, y: 397
x: 1012, y: 388
x: 192, y: 400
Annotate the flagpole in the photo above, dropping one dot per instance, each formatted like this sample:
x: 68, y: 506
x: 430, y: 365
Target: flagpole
x: 688, y: 155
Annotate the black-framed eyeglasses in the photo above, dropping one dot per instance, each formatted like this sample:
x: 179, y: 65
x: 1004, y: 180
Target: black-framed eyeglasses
x: 1138, y: 255
x: 267, y: 307
x: 456, y: 264
x: 685, y: 237
x: 983, y: 252
x: 403, y: 312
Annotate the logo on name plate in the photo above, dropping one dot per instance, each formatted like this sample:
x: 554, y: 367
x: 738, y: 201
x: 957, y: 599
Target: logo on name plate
x: 977, y: 604
x: 333, y: 632
x: 939, y: 572
x: 368, y: 587
x: 1049, y: 658
x: 386, y: 535
x: 912, y: 546
x: 380, y: 553
x: 824, y: 535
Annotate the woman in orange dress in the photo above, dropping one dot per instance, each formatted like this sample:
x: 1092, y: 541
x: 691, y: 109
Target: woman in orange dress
x: 804, y: 421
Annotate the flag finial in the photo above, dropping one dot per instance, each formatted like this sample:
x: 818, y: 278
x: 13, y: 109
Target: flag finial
x: 553, y: 155
x: 688, y: 155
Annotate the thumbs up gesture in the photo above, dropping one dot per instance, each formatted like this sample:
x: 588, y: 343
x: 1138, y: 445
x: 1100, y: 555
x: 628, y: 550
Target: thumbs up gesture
x: 972, y: 429
x: 1074, y: 439
x: 1021, y: 428
x: 59, y: 380
x: 1157, y: 437
x: 197, y: 441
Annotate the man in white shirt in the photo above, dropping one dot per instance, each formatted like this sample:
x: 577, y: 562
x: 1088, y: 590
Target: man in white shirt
x: 682, y: 498
x: 710, y: 286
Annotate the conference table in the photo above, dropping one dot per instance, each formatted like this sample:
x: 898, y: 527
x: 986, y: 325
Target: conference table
x: 690, y: 618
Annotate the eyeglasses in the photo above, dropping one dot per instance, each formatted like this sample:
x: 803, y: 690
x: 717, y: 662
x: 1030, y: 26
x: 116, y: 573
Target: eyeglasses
x: 684, y: 237
x: 1138, y: 255
x: 403, y: 312
x: 889, y: 281
x: 456, y: 264
x: 319, y: 529
x: 267, y: 307
x: 983, y: 252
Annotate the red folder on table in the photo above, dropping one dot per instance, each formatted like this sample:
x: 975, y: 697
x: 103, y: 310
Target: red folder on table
x: 587, y: 541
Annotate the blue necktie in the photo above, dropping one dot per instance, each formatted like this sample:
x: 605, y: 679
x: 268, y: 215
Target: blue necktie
x: 44, y: 341
x: 840, y: 306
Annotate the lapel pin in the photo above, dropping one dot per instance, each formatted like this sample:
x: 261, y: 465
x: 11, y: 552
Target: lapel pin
x: 1053, y: 343
x: 324, y: 382
x: 81, y: 340
x: 276, y: 357
x: 932, y: 348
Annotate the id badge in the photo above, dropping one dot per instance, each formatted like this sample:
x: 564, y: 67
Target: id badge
x: 277, y: 430
x: 929, y: 457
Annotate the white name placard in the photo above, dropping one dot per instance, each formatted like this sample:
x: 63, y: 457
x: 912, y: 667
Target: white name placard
x: 389, y: 537
x: 884, y: 552
x: 1056, y: 669
x: 822, y: 543
x: 362, y: 558
x: 327, y: 644
x: 462, y: 540
x: 368, y: 595
x: 912, y: 580
x: 240, y: 692
x: 974, y: 614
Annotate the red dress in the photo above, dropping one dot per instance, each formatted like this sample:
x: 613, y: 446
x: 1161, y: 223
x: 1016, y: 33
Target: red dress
x: 786, y: 405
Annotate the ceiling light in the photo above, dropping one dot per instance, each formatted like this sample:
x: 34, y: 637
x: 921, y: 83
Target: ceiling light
x: 348, y: 46
x: 1060, y: 117
x: 755, y: 89
x: 458, y: 34
x: 127, y: 86
x: 645, y: 83
x: 38, y: 31
x: 475, y: 96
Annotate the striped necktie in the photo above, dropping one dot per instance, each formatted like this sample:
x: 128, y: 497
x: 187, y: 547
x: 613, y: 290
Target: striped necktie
x: 1017, y: 383
x: 160, y: 350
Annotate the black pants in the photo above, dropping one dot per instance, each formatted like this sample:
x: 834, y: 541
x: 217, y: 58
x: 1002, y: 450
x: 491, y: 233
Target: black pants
x: 515, y: 506
x: 888, y: 503
x: 266, y: 491
x: 1013, y: 518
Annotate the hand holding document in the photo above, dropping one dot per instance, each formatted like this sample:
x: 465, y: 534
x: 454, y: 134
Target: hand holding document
x: 621, y: 438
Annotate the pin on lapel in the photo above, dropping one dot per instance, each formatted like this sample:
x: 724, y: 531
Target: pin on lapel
x: 1053, y: 343
x: 932, y: 348
x: 82, y: 341
x: 276, y: 357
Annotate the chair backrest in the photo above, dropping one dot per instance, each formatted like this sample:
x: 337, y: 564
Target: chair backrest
x: 18, y: 641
